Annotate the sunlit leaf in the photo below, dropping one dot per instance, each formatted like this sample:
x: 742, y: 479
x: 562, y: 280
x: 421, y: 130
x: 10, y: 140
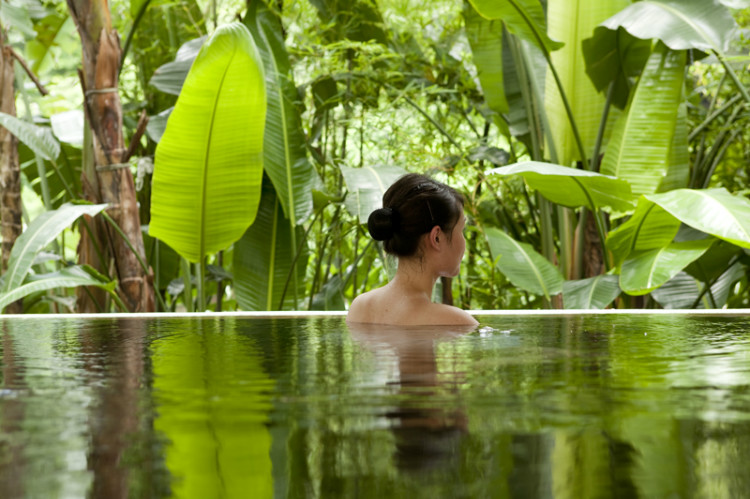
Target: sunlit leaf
x: 680, y: 24
x: 522, y: 265
x: 38, y: 139
x: 650, y: 227
x: 523, y: 18
x: 40, y: 232
x: 572, y: 21
x: 713, y: 211
x: 366, y: 187
x: 645, y: 271
x: 592, y: 293
x: 571, y: 187
x: 209, y: 164
x: 69, y: 277
x: 639, y: 149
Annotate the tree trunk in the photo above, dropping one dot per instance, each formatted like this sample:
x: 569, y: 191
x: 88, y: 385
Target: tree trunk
x: 10, y: 173
x: 112, y: 181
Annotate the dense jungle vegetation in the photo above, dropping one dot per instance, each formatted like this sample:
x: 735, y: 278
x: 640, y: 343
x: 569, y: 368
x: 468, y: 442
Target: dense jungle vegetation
x: 220, y: 155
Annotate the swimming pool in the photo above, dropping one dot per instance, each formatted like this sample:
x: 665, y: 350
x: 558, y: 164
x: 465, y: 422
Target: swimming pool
x: 525, y: 405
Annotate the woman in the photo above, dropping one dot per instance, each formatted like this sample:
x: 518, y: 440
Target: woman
x: 422, y: 224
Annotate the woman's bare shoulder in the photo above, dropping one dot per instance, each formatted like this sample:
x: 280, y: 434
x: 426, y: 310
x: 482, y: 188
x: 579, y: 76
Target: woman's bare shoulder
x: 448, y: 314
x: 360, y: 309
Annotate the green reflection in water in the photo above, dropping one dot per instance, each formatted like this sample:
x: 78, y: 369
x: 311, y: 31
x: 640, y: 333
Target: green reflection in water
x: 541, y: 406
x: 212, y: 399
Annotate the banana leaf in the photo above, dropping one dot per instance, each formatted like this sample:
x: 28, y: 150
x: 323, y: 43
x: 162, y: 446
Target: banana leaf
x: 713, y: 211
x: 523, y: 18
x: 650, y: 227
x: 572, y: 21
x: 264, y: 256
x: 209, y: 163
x: 284, y: 147
x: 592, y: 293
x: 38, y: 139
x: 68, y: 165
x: 644, y: 271
x: 571, y: 187
x: 614, y: 57
x: 681, y: 24
x: 69, y: 277
x: 678, y: 162
x: 523, y: 266
x: 486, y: 41
x: 366, y: 187
x: 41, y: 232
x: 682, y: 291
x: 638, y: 150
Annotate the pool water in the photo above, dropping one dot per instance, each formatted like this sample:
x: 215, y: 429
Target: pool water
x: 654, y: 405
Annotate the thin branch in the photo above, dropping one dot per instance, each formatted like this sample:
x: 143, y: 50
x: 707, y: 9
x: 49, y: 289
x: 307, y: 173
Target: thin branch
x: 136, y: 139
x: 29, y: 72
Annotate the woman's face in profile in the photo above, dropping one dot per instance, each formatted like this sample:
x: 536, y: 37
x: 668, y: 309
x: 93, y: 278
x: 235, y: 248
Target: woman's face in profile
x: 456, y: 247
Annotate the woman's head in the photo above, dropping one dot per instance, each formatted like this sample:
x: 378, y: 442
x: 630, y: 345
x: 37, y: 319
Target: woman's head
x: 412, y: 206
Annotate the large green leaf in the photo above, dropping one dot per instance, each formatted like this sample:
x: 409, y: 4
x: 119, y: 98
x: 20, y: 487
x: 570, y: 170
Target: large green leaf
x: 570, y: 186
x: 645, y: 271
x: 68, y: 165
x: 366, y: 187
x: 650, y: 227
x: 682, y: 290
x: 713, y: 211
x: 523, y: 266
x: 595, y: 292
x: 42, y: 231
x: 572, y: 21
x: 613, y: 57
x: 208, y: 168
x: 523, y: 18
x: 680, y: 24
x: 263, y: 259
x: 639, y: 149
x: 678, y: 162
x: 486, y: 41
x: 68, y: 277
x: 38, y: 139
x: 284, y: 147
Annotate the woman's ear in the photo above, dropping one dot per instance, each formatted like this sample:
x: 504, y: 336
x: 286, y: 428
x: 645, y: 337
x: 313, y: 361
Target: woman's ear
x: 434, y: 238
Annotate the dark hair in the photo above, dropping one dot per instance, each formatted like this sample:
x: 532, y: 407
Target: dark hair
x: 412, y: 206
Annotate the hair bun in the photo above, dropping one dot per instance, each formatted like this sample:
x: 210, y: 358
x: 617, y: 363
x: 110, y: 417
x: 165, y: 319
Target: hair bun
x: 382, y: 223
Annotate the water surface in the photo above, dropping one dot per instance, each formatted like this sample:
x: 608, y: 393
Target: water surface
x: 523, y: 406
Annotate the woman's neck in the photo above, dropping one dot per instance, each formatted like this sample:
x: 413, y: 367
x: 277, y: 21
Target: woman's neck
x: 414, y: 277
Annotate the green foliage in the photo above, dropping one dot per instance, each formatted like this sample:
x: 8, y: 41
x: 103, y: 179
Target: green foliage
x: 572, y: 187
x: 361, y: 92
x: 41, y: 232
x: 208, y: 165
x: 594, y: 292
x: 523, y: 266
